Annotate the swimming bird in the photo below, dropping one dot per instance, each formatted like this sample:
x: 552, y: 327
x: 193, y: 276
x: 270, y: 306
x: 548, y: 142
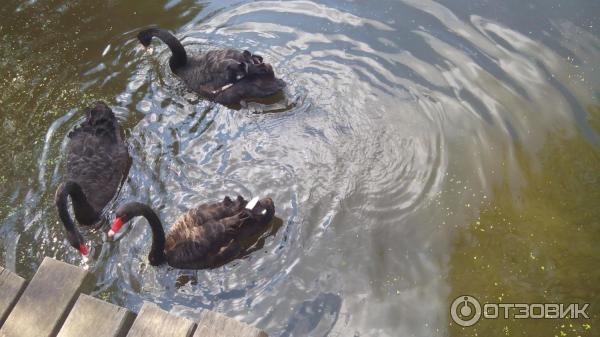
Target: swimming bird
x: 225, y: 76
x: 97, y: 164
x: 206, y: 236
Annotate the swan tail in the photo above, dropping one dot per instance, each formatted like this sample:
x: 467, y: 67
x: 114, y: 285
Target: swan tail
x: 100, y: 121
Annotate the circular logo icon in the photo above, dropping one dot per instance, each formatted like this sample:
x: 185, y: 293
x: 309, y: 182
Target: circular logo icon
x: 465, y: 310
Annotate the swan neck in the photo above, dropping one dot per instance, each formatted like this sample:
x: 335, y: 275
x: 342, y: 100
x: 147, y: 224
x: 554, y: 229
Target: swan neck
x: 60, y: 199
x: 179, y: 57
x: 157, y: 250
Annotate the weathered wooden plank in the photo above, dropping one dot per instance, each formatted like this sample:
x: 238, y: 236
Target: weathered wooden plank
x: 155, y: 322
x: 214, y: 324
x: 11, y: 287
x: 91, y: 317
x: 47, y: 300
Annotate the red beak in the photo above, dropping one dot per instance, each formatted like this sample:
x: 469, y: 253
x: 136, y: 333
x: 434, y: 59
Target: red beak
x: 83, y: 249
x: 116, y: 226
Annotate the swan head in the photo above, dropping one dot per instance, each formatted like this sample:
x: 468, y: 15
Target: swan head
x: 145, y: 36
x: 132, y: 209
x: 76, y: 240
x: 123, y: 214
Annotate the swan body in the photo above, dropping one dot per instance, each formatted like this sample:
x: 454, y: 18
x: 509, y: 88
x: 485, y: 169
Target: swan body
x: 226, y: 76
x: 97, y: 164
x: 205, y: 236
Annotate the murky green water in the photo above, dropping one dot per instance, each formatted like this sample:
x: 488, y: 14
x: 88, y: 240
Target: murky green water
x: 423, y: 150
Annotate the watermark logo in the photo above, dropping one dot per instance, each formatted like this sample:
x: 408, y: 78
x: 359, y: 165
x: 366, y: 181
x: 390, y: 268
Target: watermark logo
x: 466, y: 310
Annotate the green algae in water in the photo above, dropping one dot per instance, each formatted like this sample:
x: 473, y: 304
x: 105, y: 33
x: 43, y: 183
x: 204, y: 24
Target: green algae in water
x: 540, y: 246
x: 594, y: 117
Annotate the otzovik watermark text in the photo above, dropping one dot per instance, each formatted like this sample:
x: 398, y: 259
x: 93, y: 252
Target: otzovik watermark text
x: 466, y: 310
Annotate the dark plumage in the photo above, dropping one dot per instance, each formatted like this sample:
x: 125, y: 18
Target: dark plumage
x: 97, y: 163
x: 206, y: 236
x: 225, y: 76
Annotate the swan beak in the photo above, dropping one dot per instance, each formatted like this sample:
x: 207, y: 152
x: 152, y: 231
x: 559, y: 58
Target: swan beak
x: 252, y: 203
x: 83, y: 249
x: 116, y: 226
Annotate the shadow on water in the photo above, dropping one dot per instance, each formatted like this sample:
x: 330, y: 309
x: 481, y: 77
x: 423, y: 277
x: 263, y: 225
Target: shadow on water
x: 316, y: 317
x: 420, y: 150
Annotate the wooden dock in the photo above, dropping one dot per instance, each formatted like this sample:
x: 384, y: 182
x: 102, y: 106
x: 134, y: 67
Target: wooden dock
x: 55, y: 303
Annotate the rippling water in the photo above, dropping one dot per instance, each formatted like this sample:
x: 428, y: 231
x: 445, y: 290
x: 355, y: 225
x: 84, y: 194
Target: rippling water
x: 421, y: 150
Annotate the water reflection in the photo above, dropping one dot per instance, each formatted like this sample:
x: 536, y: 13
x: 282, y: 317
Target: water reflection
x: 403, y: 125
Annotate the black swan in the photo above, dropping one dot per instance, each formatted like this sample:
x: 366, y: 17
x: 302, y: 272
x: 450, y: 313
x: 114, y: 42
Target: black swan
x: 225, y: 76
x: 206, y: 236
x: 97, y: 164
